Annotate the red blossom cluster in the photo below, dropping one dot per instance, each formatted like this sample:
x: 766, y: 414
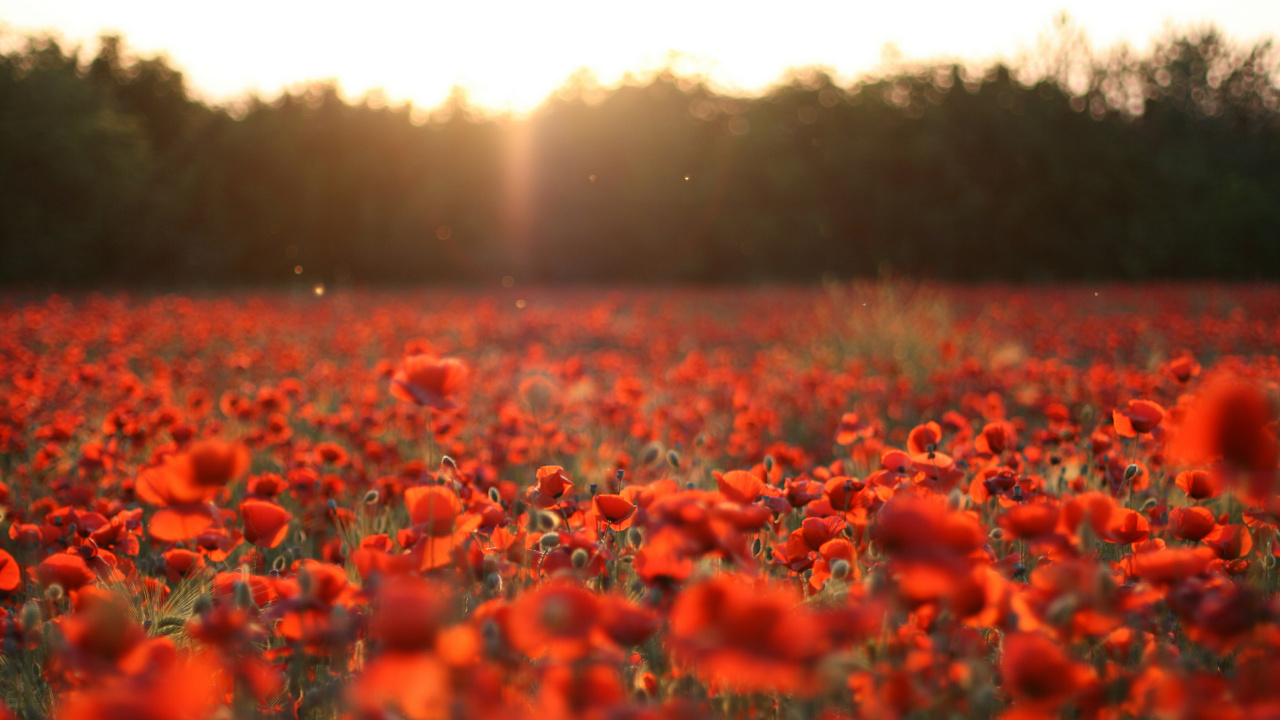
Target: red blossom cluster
x: 611, y: 507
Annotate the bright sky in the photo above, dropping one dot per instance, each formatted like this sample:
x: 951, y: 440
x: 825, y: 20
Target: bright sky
x: 512, y: 54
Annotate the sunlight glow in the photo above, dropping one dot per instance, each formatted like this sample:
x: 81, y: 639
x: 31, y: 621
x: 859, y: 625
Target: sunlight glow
x: 511, y: 55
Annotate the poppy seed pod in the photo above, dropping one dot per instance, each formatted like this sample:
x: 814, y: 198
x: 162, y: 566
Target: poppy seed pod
x: 202, y: 605
x: 549, y: 540
x: 650, y: 455
x: 243, y: 596
x: 840, y: 569
x: 546, y: 521
x: 31, y: 616
x: 673, y: 459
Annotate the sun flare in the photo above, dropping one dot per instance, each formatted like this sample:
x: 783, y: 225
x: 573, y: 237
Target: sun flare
x: 510, y: 55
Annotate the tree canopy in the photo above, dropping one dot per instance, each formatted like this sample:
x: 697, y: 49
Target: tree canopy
x: 1068, y: 165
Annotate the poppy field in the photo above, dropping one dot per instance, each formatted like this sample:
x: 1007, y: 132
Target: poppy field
x: 882, y: 500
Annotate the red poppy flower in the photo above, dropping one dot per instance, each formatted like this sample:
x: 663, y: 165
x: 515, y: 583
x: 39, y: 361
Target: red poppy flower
x: 1038, y: 673
x: 1183, y: 368
x: 180, y: 522
x: 1127, y: 527
x: 1169, y: 566
x: 1191, y: 523
x: 1199, y: 484
x: 179, y: 563
x: 995, y: 438
x: 414, y: 685
x: 332, y: 453
x: 924, y: 438
x: 552, y: 481
x: 184, y: 483
x: 408, y: 613
x: 1029, y: 520
x: 555, y: 620
x: 1136, y: 417
x: 433, y: 508
x: 1231, y: 422
x: 851, y: 430
x: 10, y: 574
x: 626, y: 624
x: 664, y: 558
x: 194, y: 476
x: 1229, y: 541
x: 615, y: 510
x: 429, y: 381
x: 260, y: 589
x: 739, y: 486
x: 265, y: 523
x: 749, y: 638
x: 66, y: 569
x: 918, y: 527
x: 177, y: 689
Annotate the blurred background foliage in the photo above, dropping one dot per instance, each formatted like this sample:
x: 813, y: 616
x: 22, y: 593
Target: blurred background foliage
x: 1070, y: 164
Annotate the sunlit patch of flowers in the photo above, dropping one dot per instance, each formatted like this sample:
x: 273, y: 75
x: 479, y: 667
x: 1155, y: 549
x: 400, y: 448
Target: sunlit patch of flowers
x: 669, y: 504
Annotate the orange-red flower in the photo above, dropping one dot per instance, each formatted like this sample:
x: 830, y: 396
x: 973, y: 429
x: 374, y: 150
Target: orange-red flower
x: 1039, y: 674
x: 265, y: 523
x: 851, y: 429
x: 552, y: 483
x: 1191, y: 523
x: 555, y: 620
x: 433, y: 508
x: 615, y: 510
x: 1199, y: 484
x: 10, y: 574
x: 1030, y: 520
x: 1232, y: 422
x: 1172, y: 565
x: 1137, y: 417
x: 1183, y: 368
x: 429, y: 381
x: 748, y: 638
x: 408, y: 613
x: 68, y: 570
x: 182, y: 485
x: 739, y: 486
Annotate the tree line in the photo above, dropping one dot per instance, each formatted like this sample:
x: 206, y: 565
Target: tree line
x: 1066, y: 165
